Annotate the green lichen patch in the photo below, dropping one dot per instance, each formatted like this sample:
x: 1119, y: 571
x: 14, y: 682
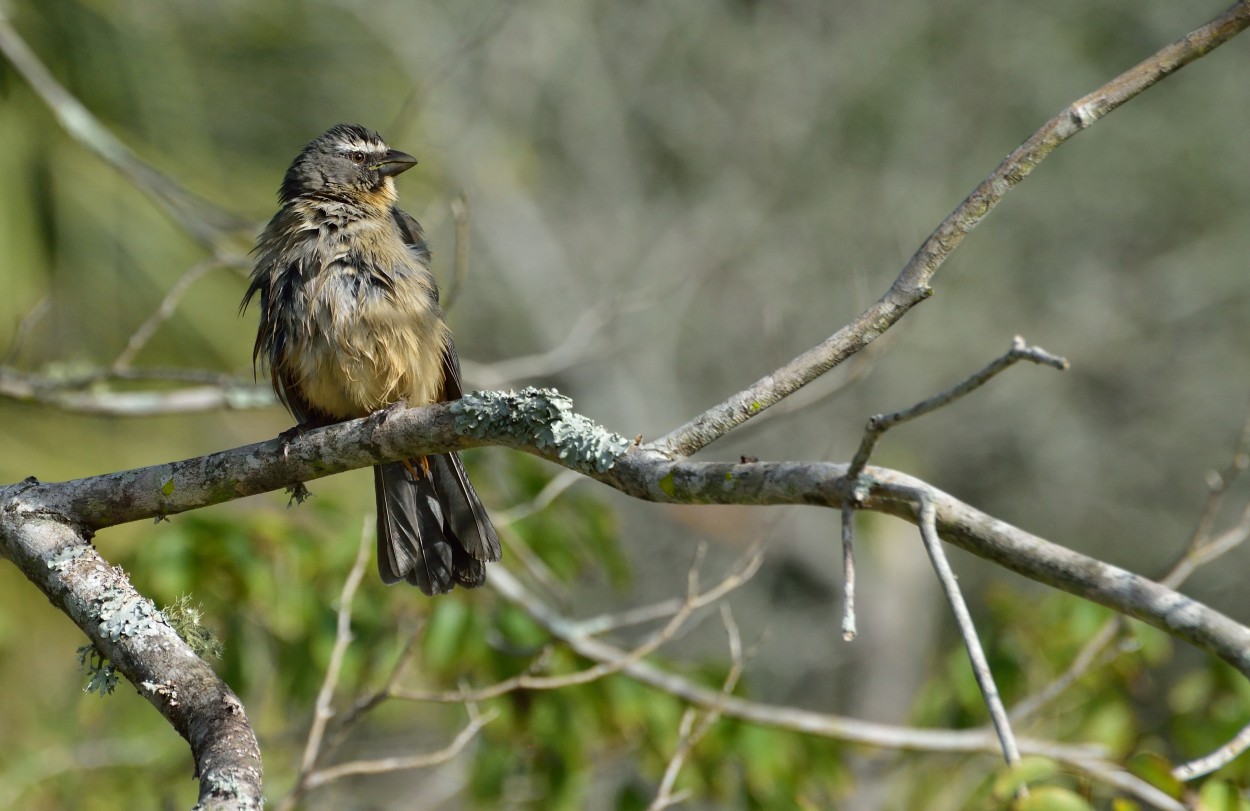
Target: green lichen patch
x: 547, y: 418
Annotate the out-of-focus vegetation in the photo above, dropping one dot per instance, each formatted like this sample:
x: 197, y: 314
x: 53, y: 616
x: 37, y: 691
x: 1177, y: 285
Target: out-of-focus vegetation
x: 727, y: 183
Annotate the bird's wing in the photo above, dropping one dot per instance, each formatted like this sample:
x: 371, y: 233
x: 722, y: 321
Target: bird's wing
x: 414, y: 236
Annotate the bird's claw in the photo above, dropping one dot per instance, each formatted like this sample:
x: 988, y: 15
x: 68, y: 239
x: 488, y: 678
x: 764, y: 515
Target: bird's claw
x: 379, y: 417
x: 287, y: 437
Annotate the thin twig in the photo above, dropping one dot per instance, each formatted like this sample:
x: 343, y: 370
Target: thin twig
x: 688, y: 735
x: 578, y: 346
x: 24, y: 327
x: 1216, y: 547
x: 367, y: 703
x: 1200, y: 549
x: 1215, y: 760
x: 849, y: 626
x: 537, y: 569
x: 491, y: 23
x: 858, y: 369
x: 694, y: 600
x: 324, y: 709
x: 551, y: 491
x: 880, y: 423
x: 963, y: 619
x: 395, y: 764
x: 1090, y: 655
x: 664, y: 797
x: 602, y: 623
x: 226, y: 395
x: 140, y: 337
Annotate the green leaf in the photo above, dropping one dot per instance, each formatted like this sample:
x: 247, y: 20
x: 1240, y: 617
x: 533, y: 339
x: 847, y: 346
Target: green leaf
x: 1029, y: 770
x: 1052, y: 798
x: 1220, y: 795
x: 1157, y: 771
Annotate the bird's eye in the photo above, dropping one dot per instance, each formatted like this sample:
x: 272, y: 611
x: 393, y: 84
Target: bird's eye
x: 358, y: 157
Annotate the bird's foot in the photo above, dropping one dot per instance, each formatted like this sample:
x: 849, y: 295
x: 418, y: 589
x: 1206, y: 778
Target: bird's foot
x: 422, y: 469
x: 290, y: 435
x: 379, y: 417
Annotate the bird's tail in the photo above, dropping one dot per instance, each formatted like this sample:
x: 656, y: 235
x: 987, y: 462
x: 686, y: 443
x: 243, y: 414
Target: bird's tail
x: 432, y: 528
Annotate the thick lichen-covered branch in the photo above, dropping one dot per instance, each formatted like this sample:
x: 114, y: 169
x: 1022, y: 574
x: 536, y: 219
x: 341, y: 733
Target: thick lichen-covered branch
x: 545, y: 417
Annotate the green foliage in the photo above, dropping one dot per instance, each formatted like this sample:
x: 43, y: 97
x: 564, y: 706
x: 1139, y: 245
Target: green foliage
x: 1051, y: 798
x: 573, y: 538
x: 1208, y: 707
x: 1220, y: 795
x: 1030, y: 643
x: 1157, y: 771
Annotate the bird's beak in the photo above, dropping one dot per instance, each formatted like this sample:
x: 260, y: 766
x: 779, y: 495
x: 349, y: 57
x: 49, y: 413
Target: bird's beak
x: 395, y: 162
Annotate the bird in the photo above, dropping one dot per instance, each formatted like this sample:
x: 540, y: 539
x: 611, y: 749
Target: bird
x: 350, y: 326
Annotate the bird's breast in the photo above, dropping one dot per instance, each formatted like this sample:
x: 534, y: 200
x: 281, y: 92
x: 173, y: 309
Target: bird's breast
x: 372, y: 334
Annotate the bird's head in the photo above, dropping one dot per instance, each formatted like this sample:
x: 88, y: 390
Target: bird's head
x: 346, y: 160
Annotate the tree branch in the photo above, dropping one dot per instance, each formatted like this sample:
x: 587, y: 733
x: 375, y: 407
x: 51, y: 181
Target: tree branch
x: 912, y: 285
x: 159, y: 490
x: 128, y: 630
x: 198, y: 217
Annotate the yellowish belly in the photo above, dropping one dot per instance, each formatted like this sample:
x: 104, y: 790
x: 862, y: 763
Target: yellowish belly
x: 359, y: 355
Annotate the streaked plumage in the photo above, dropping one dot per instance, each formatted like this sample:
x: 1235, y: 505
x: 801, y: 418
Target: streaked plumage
x: 350, y: 324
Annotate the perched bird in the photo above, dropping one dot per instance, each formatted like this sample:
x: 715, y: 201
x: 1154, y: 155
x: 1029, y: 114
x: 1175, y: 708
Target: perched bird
x: 349, y: 325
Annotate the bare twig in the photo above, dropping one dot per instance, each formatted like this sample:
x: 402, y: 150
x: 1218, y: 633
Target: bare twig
x: 601, y: 624
x: 1201, y: 547
x: 980, y: 666
x: 858, y: 368
x: 912, y: 284
x: 223, y: 393
x: 695, y: 599
x: 1219, y: 758
x: 849, y: 629
x: 324, y: 709
x: 1214, y: 548
x: 169, y: 303
x: 880, y: 423
x: 394, y: 764
x: 366, y: 703
x: 688, y: 735
x: 664, y: 797
x: 491, y: 23
x: 579, y: 345
x: 551, y: 491
x: 1090, y: 655
x: 24, y: 327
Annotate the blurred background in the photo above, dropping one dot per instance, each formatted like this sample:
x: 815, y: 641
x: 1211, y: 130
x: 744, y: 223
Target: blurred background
x: 653, y: 205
